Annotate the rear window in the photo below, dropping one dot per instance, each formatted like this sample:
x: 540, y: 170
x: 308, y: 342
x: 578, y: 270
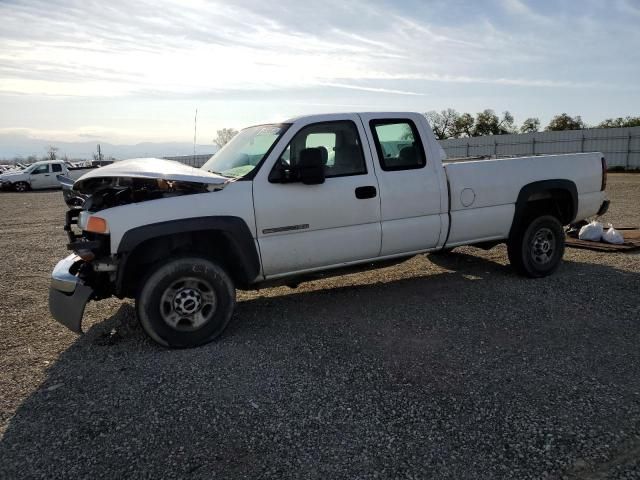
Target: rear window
x: 398, y: 144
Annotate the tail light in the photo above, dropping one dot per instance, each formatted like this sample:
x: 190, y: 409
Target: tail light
x: 604, y: 174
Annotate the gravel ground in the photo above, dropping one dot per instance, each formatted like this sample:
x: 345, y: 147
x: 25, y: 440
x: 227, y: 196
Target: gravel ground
x: 441, y: 367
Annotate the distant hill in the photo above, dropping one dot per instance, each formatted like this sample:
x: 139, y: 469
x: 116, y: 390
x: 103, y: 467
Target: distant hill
x: 12, y: 145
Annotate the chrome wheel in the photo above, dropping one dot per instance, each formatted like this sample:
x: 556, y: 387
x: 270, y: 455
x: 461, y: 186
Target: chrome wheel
x: 543, y: 246
x: 188, y: 303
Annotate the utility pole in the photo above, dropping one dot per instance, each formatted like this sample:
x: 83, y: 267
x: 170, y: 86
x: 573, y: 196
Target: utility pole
x: 626, y: 163
x: 195, y: 132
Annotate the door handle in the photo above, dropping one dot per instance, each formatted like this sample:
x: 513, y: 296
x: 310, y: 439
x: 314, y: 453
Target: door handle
x: 366, y: 192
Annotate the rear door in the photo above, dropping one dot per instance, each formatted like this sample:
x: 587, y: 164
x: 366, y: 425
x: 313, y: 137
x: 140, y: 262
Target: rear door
x: 56, y: 169
x: 308, y: 227
x: 410, y: 176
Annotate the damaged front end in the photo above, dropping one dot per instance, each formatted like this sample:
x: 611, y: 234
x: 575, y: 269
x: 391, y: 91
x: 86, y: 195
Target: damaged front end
x: 140, y: 180
x: 89, y: 273
x: 115, y: 192
x: 72, y: 198
x: 68, y: 294
x: 86, y: 274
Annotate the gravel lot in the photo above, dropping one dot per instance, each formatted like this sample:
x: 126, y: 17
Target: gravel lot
x: 441, y: 367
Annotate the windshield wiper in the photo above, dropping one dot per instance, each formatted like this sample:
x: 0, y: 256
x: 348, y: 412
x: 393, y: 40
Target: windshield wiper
x: 219, y: 173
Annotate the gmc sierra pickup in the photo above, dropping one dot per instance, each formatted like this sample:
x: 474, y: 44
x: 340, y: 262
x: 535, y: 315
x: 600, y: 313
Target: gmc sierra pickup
x: 285, y: 203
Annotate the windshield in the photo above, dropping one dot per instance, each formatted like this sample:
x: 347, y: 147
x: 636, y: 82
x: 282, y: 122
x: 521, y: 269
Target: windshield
x: 245, y: 151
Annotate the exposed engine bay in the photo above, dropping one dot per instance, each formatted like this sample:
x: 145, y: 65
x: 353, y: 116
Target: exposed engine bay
x: 105, y: 192
x: 137, y: 180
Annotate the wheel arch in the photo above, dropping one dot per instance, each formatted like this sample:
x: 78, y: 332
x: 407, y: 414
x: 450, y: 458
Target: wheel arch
x: 225, y: 239
x: 558, y: 197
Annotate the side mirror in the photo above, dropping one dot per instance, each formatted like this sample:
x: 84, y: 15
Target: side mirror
x: 311, y: 166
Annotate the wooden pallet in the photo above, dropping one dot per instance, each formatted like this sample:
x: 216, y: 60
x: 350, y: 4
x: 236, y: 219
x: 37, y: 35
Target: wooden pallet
x: 631, y: 242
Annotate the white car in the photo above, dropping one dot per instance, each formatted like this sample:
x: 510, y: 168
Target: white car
x: 315, y: 195
x: 40, y: 175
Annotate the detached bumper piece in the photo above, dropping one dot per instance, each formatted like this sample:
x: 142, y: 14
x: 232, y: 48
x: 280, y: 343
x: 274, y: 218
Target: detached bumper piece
x: 68, y: 295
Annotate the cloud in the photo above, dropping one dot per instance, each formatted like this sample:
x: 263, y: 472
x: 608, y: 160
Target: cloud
x: 627, y: 7
x: 371, y: 89
x: 518, y: 7
x: 144, y: 66
x: 84, y: 133
x: 176, y: 47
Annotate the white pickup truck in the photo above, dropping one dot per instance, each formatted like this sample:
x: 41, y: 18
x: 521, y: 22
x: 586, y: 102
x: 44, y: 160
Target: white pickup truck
x: 40, y: 175
x: 289, y: 202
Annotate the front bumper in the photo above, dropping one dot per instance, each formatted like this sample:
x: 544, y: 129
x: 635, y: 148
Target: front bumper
x: 68, y: 294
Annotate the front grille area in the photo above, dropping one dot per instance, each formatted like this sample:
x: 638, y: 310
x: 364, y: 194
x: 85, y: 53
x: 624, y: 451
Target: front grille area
x: 81, y: 240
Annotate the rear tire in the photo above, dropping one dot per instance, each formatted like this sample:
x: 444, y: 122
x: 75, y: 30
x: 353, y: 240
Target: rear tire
x: 186, y: 302
x: 536, y: 247
x: 21, y: 186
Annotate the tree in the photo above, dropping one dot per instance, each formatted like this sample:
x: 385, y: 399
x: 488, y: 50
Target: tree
x: 530, y: 125
x: 408, y: 133
x: 224, y: 135
x: 52, y: 152
x: 565, y: 122
x: 443, y: 123
x: 620, y: 122
x: 486, y: 123
x: 507, y: 124
x: 464, y: 125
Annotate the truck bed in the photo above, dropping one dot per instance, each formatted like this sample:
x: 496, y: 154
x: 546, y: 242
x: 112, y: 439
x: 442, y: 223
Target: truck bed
x: 483, y: 192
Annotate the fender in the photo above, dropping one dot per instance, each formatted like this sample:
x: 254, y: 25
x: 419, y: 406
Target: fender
x: 234, y: 229
x: 542, y: 186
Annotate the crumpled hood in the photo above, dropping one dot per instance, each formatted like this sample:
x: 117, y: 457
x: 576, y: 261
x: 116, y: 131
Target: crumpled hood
x: 151, y: 168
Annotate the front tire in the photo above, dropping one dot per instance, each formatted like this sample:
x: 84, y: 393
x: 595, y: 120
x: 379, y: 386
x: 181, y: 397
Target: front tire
x: 21, y: 186
x: 536, y: 248
x: 186, y: 302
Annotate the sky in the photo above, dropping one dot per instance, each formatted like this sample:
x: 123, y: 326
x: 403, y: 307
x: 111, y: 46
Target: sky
x: 128, y: 71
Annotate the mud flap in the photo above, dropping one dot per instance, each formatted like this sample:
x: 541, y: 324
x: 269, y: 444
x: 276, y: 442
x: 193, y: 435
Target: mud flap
x: 68, y: 308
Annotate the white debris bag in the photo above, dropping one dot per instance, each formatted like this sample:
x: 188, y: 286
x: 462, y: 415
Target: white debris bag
x: 613, y: 236
x: 591, y: 231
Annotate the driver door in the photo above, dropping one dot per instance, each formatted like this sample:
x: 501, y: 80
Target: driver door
x: 41, y: 177
x: 308, y: 227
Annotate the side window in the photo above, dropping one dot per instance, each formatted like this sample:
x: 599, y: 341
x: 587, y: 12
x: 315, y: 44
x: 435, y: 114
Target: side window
x: 323, y: 140
x: 56, y: 167
x: 398, y: 144
x: 339, y: 143
x: 40, y: 169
